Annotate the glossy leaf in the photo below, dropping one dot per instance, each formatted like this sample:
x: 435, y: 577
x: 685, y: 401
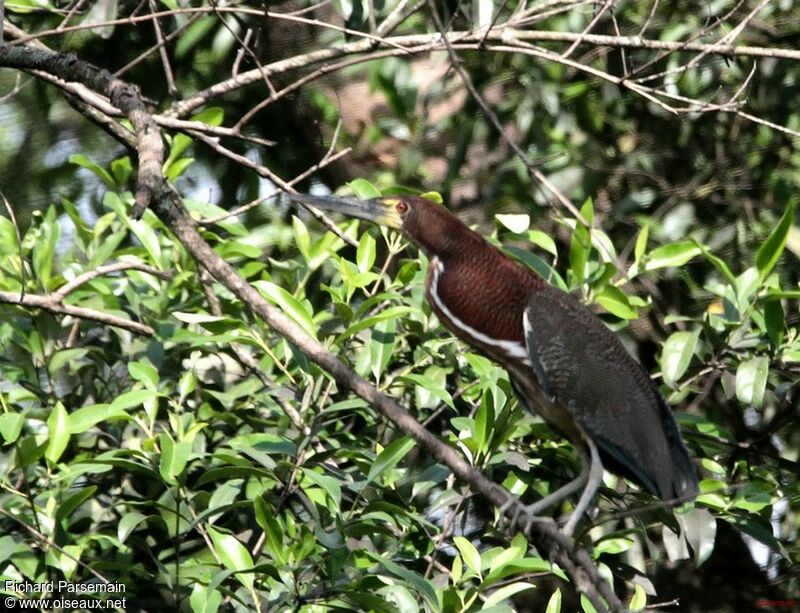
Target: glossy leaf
x: 674, y: 254
x: 365, y: 255
x: 554, y: 604
x: 233, y: 555
x: 613, y: 300
x: 363, y: 189
x: 174, y: 457
x: 469, y: 554
x: 290, y: 305
x: 639, y: 599
x: 517, y: 223
x: 58, y: 432
x: 390, y: 457
x: 751, y: 380
x: 677, y: 355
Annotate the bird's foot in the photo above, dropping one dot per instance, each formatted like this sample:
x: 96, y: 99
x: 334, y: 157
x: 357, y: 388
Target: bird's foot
x: 569, y: 524
x: 521, y: 515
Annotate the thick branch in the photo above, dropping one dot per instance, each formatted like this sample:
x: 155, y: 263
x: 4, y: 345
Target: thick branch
x: 125, y: 97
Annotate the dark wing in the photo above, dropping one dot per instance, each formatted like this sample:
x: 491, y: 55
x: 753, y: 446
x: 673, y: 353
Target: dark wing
x: 585, y: 369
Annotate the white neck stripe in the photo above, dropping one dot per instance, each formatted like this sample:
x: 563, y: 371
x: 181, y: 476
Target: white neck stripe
x: 513, y: 349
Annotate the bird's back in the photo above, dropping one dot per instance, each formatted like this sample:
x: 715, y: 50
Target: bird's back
x: 589, y: 373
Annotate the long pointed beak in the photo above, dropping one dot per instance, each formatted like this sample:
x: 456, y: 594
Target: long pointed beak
x: 377, y: 210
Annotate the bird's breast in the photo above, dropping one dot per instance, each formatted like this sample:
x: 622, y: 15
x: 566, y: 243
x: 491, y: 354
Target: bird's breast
x: 481, y: 303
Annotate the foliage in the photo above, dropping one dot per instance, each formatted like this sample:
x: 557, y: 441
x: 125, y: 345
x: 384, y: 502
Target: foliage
x: 214, y: 461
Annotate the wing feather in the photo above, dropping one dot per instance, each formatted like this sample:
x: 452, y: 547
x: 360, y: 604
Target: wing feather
x: 586, y: 370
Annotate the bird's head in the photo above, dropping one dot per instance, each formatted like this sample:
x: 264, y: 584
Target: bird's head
x: 427, y: 224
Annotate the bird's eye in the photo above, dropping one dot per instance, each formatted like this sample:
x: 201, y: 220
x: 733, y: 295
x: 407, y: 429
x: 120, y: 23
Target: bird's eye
x: 401, y: 207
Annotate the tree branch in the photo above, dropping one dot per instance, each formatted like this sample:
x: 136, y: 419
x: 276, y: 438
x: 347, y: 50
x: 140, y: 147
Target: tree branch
x: 54, y: 305
x: 123, y: 96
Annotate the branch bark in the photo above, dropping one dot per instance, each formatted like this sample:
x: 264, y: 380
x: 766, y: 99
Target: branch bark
x: 122, y: 95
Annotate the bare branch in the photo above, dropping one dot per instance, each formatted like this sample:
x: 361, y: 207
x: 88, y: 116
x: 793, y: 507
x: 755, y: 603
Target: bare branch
x: 125, y: 97
x: 73, y: 284
x: 52, y: 304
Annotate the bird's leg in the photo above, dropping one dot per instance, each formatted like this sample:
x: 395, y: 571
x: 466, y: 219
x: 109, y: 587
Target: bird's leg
x: 533, y: 510
x: 593, y: 469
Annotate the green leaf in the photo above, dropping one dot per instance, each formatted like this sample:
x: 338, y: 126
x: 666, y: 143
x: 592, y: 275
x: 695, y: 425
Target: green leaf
x: 195, y: 32
x: 367, y: 322
x: 612, y: 546
x: 132, y: 399
x: 435, y: 197
x: 699, y: 527
x: 121, y: 169
x: 45, y: 248
x: 58, y: 428
x: 554, y: 604
x: 11, y: 426
x: 641, y: 243
x: 751, y: 381
x: 128, y: 523
x: 327, y: 483
x: 718, y: 263
x: 290, y: 305
x: 211, y: 116
x: 390, y: 457
x: 456, y: 570
x: 537, y: 264
x: 614, y: 300
x: 678, y: 351
x: 174, y: 457
x: 177, y: 168
x: 381, y: 345
x: 770, y: 252
x: 86, y: 417
x: 204, y: 599
x: 149, y: 239
x: 774, y: 321
x: 73, y: 501
x: 415, y: 580
x: 365, y: 255
x: 469, y: 554
x: 579, y: 249
x: 145, y: 372
x: 674, y: 254
x: 506, y: 592
x: 587, y: 605
x: 301, y: 238
x: 65, y: 357
x: 197, y: 318
x: 363, y: 189
x: 83, y: 161
x: 273, y: 531
x: 428, y: 390
x: 639, y: 599
x: 233, y: 555
x: 484, y: 422
x: 537, y: 237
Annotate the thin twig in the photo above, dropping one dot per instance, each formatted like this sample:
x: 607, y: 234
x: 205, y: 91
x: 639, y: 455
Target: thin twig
x: 265, y: 172
x: 162, y: 51
x: 73, y: 284
x: 588, y: 28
